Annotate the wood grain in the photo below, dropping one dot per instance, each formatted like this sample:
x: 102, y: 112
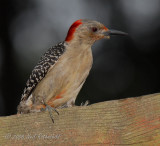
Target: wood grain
x: 131, y: 121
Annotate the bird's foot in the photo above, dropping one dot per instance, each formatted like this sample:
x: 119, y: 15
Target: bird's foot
x: 85, y: 103
x: 49, y: 109
x: 63, y: 106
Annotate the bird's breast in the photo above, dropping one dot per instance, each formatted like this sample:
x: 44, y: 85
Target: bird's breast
x: 73, y: 67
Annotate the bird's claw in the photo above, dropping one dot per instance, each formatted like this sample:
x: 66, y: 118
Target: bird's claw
x: 49, y: 109
x: 85, y: 103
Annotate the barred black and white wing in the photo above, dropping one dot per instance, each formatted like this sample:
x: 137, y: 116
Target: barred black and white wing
x: 46, y: 62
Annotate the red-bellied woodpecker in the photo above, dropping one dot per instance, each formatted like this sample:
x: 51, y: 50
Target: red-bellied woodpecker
x: 63, y: 69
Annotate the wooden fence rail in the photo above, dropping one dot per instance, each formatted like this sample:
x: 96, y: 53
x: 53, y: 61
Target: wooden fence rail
x: 131, y: 121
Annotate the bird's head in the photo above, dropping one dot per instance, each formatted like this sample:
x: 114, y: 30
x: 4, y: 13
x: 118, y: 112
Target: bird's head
x: 89, y: 31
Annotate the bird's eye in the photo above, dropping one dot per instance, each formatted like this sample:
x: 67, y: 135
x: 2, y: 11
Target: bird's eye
x: 94, y: 29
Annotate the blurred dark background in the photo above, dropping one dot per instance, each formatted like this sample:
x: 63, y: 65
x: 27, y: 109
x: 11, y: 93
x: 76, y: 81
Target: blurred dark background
x: 123, y: 66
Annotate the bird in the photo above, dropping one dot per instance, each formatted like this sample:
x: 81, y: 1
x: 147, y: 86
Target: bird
x: 61, y: 72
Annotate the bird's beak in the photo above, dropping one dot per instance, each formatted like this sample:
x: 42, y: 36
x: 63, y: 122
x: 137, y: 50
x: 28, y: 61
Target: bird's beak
x: 114, y: 32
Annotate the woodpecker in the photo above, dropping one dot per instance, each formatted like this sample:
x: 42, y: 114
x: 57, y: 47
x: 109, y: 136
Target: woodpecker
x: 61, y: 72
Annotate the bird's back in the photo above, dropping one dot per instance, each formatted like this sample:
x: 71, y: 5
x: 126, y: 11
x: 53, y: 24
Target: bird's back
x: 46, y: 62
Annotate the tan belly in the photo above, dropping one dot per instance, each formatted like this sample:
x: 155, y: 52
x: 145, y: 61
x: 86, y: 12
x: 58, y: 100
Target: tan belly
x: 64, y: 81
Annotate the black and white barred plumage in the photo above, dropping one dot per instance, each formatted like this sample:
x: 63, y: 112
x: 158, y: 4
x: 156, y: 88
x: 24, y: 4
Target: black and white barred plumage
x: 46, y: 62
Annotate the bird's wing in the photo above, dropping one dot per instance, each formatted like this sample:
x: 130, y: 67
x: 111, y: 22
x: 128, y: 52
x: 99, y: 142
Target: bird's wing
x: 47, y: 61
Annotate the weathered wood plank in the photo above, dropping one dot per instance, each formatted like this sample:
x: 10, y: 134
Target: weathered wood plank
x: 132, y: 121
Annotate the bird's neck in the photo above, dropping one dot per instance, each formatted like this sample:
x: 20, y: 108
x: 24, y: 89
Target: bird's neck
x: 77, y: 48
x: 78, y: 45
